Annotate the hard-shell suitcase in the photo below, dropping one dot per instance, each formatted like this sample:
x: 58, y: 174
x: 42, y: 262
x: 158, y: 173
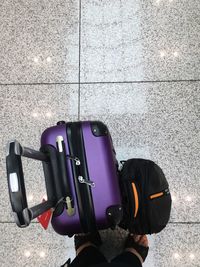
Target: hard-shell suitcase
x: 81, y: 178
x: 93, y: 185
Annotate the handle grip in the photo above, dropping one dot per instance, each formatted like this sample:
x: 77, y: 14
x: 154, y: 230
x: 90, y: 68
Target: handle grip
x: 23, y: 215
x: 63, y: 166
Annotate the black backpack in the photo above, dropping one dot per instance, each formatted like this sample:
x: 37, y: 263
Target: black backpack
x: 146, y: 197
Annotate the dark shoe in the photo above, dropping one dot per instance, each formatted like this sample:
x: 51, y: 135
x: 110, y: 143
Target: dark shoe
x: 81, y: 239
x: 131, y: 243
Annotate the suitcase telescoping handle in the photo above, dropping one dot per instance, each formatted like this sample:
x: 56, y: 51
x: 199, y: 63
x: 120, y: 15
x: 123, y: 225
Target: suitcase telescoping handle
x: 66, y: 190
x: 23, y: 215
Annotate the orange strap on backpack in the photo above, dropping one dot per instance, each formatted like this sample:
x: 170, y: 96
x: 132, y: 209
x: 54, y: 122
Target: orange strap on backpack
x: 136, y: 199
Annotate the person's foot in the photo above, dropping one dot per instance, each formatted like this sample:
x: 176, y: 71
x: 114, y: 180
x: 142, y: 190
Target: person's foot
x: 137, y: 244
x: 84, y: 240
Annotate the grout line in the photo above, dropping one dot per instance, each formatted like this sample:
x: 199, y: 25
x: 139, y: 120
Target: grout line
x: 7, y: 84
x: 147, y: 81
x: 117, y: 82
x: 79, y: 73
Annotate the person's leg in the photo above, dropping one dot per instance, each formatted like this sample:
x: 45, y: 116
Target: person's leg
x: 89, y: 255
x: 128, y: 258
x: 87, y: 251
x: 136, y: 250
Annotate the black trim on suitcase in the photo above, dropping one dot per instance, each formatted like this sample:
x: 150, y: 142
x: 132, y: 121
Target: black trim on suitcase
x: 98, y: 128
x: 66, y: 190
x: 83, y: 191
x: 91, y: 217
x: 114, y: 215
x: 52, y: 172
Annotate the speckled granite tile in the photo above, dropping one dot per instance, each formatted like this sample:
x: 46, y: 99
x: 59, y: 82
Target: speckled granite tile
x: 128, y: 40
x: 39, y: 41
x: 177, y: 245
x: 158, y: 121
x: 33, y: 246
x: 25, y: 112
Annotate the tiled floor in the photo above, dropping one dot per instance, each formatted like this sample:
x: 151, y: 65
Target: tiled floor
x: 134, y: 64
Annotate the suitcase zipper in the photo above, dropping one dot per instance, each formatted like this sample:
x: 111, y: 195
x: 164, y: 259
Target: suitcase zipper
x: 83, y: 193
x: 77, y: 160
x: 83, y: 181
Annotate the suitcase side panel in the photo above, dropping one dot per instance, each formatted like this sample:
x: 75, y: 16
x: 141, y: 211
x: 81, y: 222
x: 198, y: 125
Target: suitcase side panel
x: 102, y: 170
x: 63, y: 224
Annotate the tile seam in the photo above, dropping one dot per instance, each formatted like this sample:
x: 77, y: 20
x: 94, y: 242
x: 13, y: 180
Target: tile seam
x: 106, y: 82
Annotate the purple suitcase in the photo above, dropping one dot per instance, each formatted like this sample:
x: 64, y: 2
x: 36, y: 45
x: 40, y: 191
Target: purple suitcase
x: 92, y: 186
x: 81, y: 177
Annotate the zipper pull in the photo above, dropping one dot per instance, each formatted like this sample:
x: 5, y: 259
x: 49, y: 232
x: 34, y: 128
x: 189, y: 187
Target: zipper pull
x: 77, y: 160
x: 83, y: 181
x: 121, y: 164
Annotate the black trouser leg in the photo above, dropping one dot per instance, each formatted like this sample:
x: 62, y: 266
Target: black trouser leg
x: 128, y: 258
x: 88, y: 256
